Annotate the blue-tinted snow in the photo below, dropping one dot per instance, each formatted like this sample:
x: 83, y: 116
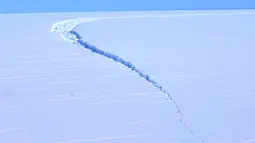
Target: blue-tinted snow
x: 53, y: 91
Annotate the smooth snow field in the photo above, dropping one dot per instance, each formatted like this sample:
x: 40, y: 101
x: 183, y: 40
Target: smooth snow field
x: 128, y: 77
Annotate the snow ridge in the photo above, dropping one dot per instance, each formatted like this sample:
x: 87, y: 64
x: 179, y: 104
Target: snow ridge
x: 66, y: 30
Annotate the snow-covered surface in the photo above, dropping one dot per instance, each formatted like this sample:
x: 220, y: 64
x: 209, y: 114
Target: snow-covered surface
x: 52, y: 91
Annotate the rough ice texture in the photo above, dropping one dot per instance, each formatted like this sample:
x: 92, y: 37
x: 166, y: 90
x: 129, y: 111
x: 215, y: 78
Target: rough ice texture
x: 66, y: 30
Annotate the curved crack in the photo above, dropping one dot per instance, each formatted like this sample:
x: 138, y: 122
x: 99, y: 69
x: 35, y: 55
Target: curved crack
x: 66, y: 30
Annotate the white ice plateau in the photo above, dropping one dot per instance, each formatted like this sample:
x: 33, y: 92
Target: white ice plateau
x: 83, y: 77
